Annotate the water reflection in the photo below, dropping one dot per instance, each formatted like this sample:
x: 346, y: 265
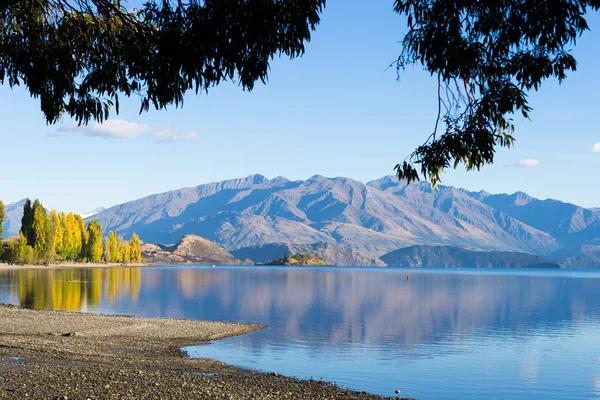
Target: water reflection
x: 71, y: 289
x: 479, y: 334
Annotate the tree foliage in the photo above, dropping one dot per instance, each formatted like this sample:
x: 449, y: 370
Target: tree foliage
x: 94, y: 234
x: 39, y: 227
x: 27, y: 221
x: 65, y: 237
x: 486, y: 56
x: 135, y: 249
x: 78, y: 56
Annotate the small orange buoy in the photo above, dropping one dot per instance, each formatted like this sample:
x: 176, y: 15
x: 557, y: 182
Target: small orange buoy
x: 531, y: 280
x: 498, y: 279
x: 433, y: 279
x: 408, y: 277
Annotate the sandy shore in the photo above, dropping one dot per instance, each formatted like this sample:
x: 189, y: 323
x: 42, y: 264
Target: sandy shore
x: 67, y: 355
x: 69, y: 265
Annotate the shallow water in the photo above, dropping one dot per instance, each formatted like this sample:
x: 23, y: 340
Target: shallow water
x: 468, y: 334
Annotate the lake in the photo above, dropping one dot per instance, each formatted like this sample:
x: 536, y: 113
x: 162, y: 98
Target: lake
x: 433, y: 334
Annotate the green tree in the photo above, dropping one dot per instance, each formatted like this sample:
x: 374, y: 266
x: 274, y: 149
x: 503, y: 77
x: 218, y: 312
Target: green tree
x: 39, y: 228
x: 27, y: 221
x: 486, y: 56
x: 135, y: 249
x: 94, y: 242
x: 78, y: 57
x: 113, y: 249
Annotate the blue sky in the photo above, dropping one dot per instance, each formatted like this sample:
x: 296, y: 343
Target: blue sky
x: 336, y: 112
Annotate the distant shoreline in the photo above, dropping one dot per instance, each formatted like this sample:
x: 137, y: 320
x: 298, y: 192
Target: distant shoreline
x: 4, y: 266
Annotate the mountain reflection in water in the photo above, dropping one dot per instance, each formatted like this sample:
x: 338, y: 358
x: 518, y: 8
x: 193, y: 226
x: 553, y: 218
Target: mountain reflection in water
x: 439, y: 335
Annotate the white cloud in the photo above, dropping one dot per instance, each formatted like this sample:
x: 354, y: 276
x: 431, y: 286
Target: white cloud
x: 595, y: 148
x: 166, y: 134
x: 527, y: 163
x: 121, y: 129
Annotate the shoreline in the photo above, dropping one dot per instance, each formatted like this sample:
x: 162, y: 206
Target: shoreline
x: 4, y: 266
x: 61, y: 354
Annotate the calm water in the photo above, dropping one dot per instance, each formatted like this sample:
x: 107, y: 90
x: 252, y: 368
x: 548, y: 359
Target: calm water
x: 440, y: 335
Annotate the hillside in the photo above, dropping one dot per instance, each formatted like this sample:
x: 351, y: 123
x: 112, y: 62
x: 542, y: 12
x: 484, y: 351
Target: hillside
x: 447, y: 256
x: 190, y: 249
x: 587, y: 256
x: 332, y: 253
x: 300, y: 260
x: 373, y: 218
x: 12, y: 219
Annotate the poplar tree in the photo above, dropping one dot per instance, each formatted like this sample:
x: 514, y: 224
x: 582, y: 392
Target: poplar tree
x: 94, y: 247
x: 83, y: 253
x: 27, y: 221
x: 106, y: 251
x: 22, y: 249
x: 124, y: 250
x: 71, y: 238
x: 38, y: 228
x: 50, y: 249
x: 113, y: 248
x: 57, y: 232
x: 136, y: 249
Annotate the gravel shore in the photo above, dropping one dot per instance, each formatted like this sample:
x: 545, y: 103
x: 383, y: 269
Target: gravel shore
x: 68, y: 355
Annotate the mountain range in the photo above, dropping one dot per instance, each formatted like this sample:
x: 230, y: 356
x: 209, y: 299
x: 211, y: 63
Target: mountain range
x: 363, y: 221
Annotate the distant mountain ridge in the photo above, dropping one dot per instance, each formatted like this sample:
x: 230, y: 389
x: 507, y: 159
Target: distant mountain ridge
x: 374, y: 218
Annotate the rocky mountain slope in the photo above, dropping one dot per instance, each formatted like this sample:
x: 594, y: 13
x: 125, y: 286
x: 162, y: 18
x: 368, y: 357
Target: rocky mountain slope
x: 373, y: 218
x: 332, y: 253
x: 191, y: 249
x: 12, y: 219
x: 447, y: 256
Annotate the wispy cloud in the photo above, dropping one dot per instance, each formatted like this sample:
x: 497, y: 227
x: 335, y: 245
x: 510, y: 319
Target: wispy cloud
x: 121, y: 129
x: 527, y: 163
x: 595, y: 148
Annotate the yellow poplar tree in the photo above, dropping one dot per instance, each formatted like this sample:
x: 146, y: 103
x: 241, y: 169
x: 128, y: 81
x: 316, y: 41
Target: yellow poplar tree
x: 124, y: 250
x: 94, y: 234
x: 83, y: 233
x: 113, y: 249
x: 57, y: 227
x: 39, y: 228
x: 136, y: 248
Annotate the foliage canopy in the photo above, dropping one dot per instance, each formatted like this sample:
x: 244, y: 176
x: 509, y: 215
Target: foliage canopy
x: 79, y: 56
x: 486, y: 56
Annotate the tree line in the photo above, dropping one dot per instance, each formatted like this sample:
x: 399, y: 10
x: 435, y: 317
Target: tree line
x: 47, y: 238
